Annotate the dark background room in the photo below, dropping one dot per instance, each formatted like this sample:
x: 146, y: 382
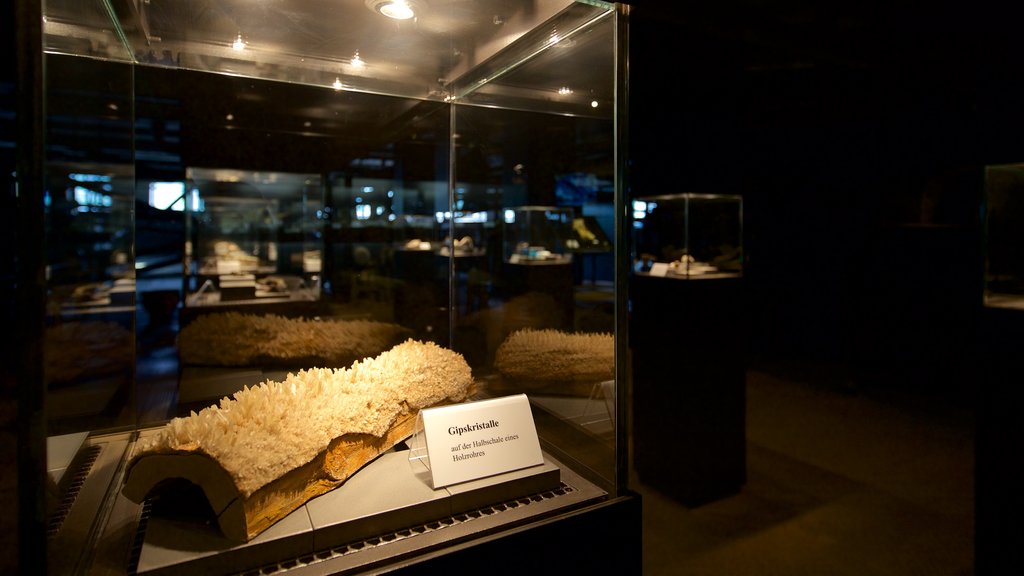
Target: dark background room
x: 858, y: 135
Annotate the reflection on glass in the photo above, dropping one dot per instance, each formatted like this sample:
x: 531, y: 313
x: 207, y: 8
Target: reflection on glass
x: 535, y: 312
x: 89, y: 339
x: 252, y: 236
x: 535, y: 235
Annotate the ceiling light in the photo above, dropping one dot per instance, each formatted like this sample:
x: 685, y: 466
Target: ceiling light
x: 238, y: 44
x: 397, y: 9
x: 357, y: 61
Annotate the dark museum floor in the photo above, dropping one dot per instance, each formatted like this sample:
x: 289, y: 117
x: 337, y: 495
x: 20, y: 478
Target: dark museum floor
x: 840, y: 481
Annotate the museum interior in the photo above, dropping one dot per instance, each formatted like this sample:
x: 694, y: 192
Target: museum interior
x: 746, y: 277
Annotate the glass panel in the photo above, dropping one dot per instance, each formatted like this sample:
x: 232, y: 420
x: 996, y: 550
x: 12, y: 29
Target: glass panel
x: 251, y: 237
x: 273, y: 221
x: 321, y: 198
x: 89, y: 342
x: 565, y: 66
x: 535, y: 300
x: 387, y: 197
x: 85, y: 28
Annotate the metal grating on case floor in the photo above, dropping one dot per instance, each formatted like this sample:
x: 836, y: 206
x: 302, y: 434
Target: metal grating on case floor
x: 390, y: 537
x: 139, y: 537
x: 83, y: 466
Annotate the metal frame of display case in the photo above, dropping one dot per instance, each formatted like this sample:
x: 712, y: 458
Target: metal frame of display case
x: 97, y: 530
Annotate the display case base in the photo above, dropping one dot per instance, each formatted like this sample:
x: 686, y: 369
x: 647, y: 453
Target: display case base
x: 384, y: 518
x: 689, y: 387
x: 387, y: 495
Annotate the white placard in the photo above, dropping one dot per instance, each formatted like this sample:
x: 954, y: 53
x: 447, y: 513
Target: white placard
x: 659, y: 269
x: 478, y: 439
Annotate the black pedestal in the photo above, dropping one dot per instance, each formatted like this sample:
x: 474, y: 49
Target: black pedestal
x: 998, y: 440
x: 689, y: 386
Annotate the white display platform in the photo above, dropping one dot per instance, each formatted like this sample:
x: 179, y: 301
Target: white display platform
x: 60, y: 451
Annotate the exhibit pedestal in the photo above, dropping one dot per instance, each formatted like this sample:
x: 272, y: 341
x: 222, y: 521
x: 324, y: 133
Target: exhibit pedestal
x: 689, y: 386
x: 998, y: 436
x: 386, y: 518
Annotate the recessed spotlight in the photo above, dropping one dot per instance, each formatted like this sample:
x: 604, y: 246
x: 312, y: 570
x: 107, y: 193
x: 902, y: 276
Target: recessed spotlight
x: 396, y: 9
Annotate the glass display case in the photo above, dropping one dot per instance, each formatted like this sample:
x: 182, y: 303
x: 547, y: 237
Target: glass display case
x: 689, y: 375
x: 1000, y: 338
x: 537, y: 235
x: 1004, y: 236
x: 688, y: 236
x: 241, y: 196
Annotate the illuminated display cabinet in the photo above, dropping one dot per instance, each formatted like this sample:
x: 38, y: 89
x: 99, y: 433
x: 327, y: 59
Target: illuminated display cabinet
x: 689, y: 380
x: 1000, y: 336
x: 689, y: 236
x: 1004, y: 242
x: 237, y: 192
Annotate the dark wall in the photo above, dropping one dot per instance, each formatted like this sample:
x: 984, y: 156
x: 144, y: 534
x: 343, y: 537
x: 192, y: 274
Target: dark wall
x: 8, y: 392
x: 857, y: 136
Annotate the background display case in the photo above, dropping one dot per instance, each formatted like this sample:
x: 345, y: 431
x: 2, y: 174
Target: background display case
x: 88, y: 342
x: 689, y: 235
x: 418, y: 232
x: 689, y: 374
x: 239, y: 192
x: 1004, y: 239
x: 536, y: 235
x: 1000, y: 339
